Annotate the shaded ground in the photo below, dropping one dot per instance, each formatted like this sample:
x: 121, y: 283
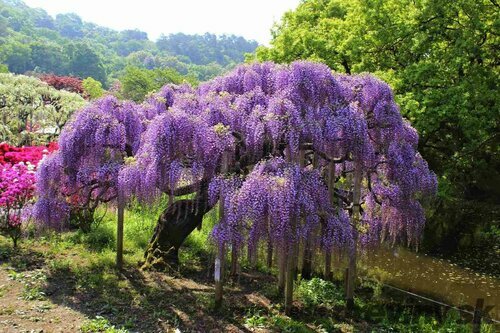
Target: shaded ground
x: 68, y: 283
x: 44, y: 292
x: 58, y: 295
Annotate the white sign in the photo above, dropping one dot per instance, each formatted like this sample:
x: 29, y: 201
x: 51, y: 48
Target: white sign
x: 217, y: 270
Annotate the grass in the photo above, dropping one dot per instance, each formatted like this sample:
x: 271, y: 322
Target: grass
x: 78, y: 270
x: 100, y: 324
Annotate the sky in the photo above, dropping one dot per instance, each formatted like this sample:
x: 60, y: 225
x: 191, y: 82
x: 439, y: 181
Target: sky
x: 251, y: 19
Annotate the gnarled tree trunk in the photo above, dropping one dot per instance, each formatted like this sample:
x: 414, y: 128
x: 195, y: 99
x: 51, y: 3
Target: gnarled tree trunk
x: 176, y: 222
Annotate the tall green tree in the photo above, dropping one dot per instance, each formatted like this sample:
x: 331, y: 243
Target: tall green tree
x: 48, y: 58
x: 85, y: 62
x: 442, y: 59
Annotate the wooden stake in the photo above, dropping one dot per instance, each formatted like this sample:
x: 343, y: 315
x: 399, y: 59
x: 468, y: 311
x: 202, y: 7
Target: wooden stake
x: 218, y: 276
x: 282, y: 271
x: 331, y: 191
x: 328, y: 265
x: 290, y: 271
x: 234, y: 260
x: 476, y: 320
x: 119, y: 230
x: 269, y: 254
x: 351, y: 281
x: 219, y: 260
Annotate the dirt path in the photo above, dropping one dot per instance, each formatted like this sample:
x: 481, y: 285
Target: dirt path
x: 23, y: 307
x: 37, y: 295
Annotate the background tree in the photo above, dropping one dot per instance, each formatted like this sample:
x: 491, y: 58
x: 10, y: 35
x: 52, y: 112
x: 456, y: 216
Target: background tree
x: 48, y: 58
x: 32, y: 111
x: 441, y: 59
x: 69, y: 25
x: 137, y: 82
x: 85, y: 62
x: 92, y: 88
x: 32, y: 41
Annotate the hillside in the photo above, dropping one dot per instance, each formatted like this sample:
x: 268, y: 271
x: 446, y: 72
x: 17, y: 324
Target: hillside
x: 34, y: 41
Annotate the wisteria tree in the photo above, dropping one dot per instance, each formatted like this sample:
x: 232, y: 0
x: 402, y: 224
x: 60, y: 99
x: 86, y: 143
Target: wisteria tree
x: 296, y: 158
x: 294, y: 155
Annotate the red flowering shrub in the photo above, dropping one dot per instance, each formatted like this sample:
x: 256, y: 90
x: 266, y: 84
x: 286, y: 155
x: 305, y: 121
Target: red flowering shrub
x: 68, y: 83
x: 13, y: 155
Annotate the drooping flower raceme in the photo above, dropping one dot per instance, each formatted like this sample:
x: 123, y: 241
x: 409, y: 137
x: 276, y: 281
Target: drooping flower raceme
x: 279, y: 200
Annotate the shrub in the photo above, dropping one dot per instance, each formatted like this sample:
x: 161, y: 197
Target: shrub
x: 92, y: 88
x: 68, y: 83
x: 319, y: 293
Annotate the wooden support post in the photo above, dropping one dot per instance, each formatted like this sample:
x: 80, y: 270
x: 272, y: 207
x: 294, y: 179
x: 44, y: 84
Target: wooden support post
x: 478, y: 312
x: 290, y: 277
x: 328, y: 266
x: 219, y: 275
x: 234, y: 261
x: 346, y: 277
x: 307, y: 260
x: 291, y: 268
x: 220, y: 258
x: 119, y: 230
x: 269, y: 254
x: 331, y: 191
x: 351, y: 281
x: 282, y: 270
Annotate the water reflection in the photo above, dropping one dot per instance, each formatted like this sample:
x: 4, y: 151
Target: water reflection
x: 436, y: 277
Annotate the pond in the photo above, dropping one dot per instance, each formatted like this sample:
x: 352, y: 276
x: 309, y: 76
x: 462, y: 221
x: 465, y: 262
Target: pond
x: 435, y: 278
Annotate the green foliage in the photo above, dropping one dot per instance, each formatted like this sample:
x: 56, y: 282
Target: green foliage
x: 440, y: 57
x: 4, y: 68
x: 85, y: 62
x: 316, y: 293
x: 98, y: 239
x: 92, y: 88
x: 207, y: 48
x: 100, y: 324
x: 138, y: 82
x: 32, y: 40
x: 257, y: 319
x: 32, y: 284
x: 31, y: 111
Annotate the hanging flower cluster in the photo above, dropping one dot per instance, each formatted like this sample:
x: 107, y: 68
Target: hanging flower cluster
x: 279, y: 200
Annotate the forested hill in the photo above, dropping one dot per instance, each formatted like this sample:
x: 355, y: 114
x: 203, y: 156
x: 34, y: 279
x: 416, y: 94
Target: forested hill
x: 32, y: 40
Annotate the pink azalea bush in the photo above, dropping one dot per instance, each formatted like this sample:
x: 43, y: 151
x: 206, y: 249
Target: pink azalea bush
x: 17, y: 185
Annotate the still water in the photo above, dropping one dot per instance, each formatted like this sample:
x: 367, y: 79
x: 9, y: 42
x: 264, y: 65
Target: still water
x: 433, y: 277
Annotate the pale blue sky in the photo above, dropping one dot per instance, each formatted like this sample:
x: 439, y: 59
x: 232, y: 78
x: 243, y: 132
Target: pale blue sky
x: 251, y: 19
